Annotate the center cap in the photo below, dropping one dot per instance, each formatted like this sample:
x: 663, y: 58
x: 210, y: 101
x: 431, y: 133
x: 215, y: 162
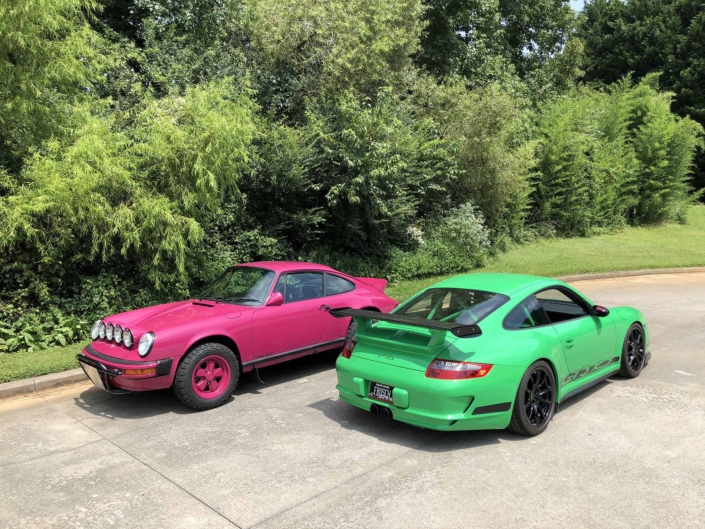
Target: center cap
x: 209, y: 376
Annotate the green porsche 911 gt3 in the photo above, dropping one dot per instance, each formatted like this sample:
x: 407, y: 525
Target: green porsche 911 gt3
x: 486, y: 351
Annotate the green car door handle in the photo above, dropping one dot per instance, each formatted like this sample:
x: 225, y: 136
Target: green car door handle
x: 569, y: 344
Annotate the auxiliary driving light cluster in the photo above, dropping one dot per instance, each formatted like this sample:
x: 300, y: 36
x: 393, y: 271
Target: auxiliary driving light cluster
x: 110, y: 332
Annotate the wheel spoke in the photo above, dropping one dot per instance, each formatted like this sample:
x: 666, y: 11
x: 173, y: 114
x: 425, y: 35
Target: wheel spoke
x: 214, y: 384
x: 201, y: 384
x: 538, y: 397
x: 635, y: 349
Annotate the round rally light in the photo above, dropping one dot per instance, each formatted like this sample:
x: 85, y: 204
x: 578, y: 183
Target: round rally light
x: 146, y: 343
x: 127, y: 337
x: 117, y: 332
x: 109, y: 331
x: 95, y: 331
x: 101, y: 329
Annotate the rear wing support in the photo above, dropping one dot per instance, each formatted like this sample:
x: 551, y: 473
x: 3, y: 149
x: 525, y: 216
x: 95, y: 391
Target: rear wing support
x: 365, y: 318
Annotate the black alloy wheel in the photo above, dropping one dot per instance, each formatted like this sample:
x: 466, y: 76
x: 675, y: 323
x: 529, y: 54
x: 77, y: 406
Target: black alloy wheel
x: 538, y: 397
x: 633, y: 352
x: 535, y: 401
x: 635, y: 349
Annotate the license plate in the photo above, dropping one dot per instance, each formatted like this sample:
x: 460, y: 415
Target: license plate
x: 381, y: 392
x: 93, y: 374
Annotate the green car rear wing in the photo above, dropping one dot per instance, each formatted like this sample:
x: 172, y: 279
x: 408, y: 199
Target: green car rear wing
x: 365, y: 317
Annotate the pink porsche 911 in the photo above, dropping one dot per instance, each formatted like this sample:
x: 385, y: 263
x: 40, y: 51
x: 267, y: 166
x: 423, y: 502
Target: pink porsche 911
x: 254, y: 315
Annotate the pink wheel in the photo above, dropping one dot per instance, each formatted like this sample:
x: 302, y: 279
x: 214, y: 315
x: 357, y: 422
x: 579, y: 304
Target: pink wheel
x: 211, y: 377
x: 207, y: 376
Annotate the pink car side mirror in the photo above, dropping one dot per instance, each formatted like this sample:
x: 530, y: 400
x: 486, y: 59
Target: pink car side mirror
x: 275, y: 299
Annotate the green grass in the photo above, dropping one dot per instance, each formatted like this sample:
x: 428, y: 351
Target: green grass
x: 16, y: 366
x: 665, y: 246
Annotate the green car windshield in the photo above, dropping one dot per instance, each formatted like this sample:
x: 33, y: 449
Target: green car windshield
x: 457, y: 305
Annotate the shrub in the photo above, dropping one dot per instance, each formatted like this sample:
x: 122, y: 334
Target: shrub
x: 459, y: 243
x: 491, y: 130
x: 376, y: 169
x: 664, y: 145
x: 609, y: 157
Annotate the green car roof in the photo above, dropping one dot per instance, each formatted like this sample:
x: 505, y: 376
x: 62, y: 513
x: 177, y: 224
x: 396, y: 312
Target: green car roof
x: 506, y: 284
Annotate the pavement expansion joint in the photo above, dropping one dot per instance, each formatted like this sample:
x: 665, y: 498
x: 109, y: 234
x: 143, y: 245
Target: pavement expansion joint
x: 103, y: 438
x: 60, y: 451
x: 353, y: 478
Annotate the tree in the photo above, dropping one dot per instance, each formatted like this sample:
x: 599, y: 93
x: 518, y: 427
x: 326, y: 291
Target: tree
x: 307, y: 48
x: 491, y: 130
x: 489, y: 40
x: 613, y: 156
x: 49, y: 58
x: 377, y: 170
x: 639, y: 37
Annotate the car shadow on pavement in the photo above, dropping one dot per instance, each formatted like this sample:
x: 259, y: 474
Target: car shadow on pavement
x: 587, y: 393
x: 390, y: 431
x: 130, y: 405
x: 140, y: 405
x: 402, y: 434
x: 298, y: 368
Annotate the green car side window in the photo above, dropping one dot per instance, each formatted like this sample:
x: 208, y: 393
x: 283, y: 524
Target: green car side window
x: 527, y: 314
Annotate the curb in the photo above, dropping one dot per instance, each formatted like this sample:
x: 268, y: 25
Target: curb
x: 633, y: 273
x: 32, y: 385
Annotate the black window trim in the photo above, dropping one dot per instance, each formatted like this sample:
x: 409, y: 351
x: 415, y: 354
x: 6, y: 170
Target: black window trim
x: 564, y: 290
x: 325, y: 284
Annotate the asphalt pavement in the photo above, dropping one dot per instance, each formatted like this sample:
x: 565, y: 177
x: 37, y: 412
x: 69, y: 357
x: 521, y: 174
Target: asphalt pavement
x: 626, y: 453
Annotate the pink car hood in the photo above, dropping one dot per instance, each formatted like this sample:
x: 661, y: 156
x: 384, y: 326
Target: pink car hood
x: 170, y: 321
x: 174, y: 314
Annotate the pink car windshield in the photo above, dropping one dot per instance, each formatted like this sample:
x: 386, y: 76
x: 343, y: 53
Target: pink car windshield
x: 241, y: 285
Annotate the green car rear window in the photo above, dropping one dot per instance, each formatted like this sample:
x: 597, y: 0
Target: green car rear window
x: 457, y: 305
x: 529, y: 313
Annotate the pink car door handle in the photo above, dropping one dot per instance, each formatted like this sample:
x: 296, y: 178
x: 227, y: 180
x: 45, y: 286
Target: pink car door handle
x: 324, y: 307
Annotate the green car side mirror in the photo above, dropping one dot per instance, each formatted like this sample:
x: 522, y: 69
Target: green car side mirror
x: 600, y: 311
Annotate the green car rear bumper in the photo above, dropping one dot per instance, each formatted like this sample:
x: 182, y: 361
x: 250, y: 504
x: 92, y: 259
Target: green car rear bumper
x: 475, y: 404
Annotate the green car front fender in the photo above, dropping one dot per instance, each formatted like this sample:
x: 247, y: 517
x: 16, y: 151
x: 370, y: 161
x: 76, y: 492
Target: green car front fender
x: 623, y: 318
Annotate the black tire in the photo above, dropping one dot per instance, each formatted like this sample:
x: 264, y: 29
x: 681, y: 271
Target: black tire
x: 633, y: 352
x: 184, y: 375
x: 534, y: 409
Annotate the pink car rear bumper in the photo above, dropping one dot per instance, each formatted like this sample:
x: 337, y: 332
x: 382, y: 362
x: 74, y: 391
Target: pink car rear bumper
x: 112, y: 374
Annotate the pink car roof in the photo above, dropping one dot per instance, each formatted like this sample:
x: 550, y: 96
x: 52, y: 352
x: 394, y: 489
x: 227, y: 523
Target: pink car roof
x: 282, y: 266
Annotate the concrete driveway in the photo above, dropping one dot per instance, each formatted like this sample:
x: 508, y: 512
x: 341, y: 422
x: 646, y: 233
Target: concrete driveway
x: 627, y: 453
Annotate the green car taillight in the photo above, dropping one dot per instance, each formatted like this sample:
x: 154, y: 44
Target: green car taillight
x: 348, y: 349
x: 453, y: 370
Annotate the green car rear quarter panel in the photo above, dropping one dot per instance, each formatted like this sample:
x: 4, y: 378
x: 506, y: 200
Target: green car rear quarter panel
x: 398, y: 355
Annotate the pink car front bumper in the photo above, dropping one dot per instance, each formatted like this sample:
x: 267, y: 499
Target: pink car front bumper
x: 115, y: 375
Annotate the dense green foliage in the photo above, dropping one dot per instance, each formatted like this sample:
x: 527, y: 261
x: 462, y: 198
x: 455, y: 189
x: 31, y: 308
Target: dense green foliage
x: 611, y: 157
x: 147, y: 144
x: 651, y: 36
